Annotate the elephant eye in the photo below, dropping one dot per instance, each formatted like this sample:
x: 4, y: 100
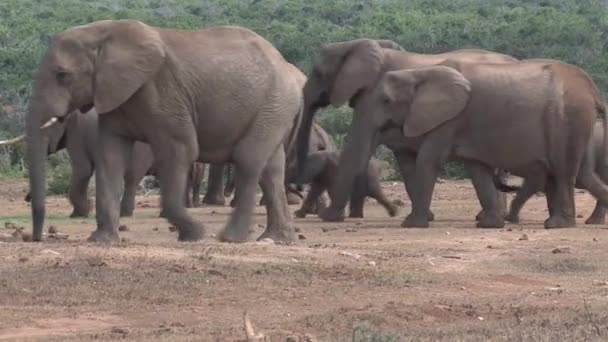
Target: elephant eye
x: 62, y: 76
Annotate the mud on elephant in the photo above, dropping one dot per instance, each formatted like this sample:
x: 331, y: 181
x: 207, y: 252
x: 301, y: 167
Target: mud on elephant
x: 216, y: 95
x: 347, y: 72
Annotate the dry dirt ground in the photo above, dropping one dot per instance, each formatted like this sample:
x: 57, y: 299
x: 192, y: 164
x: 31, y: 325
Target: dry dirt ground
x: 361, y: 280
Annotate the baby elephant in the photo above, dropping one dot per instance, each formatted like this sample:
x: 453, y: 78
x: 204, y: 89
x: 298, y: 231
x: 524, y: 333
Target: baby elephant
x: 321, y: 172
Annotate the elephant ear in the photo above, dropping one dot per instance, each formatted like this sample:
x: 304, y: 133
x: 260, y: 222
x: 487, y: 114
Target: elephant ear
x: 361, y: 64
x: 435, y: 95
x: 389, y: 44
x: 130, y: 55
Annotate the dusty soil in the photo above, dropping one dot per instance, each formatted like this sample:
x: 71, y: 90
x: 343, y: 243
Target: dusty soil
x: 361, y: 280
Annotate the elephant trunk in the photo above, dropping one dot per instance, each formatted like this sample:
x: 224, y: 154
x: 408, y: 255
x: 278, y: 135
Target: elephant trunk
x: 354, y: 159
x: 37, y: 146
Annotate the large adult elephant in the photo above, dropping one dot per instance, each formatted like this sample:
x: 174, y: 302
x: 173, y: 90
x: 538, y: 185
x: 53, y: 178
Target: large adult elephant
x: 345, y: 72
x: 217, y: 95
x: 513, y: 116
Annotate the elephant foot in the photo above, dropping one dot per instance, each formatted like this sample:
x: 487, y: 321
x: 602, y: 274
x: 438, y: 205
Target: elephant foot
x: 286, y: 234
x: 491, y: 221
x: 233, y: 234
x: 214, y: 200
x: 104, y: 236
x: 79, y: 214
x: 512, y: 218
x: 293, y: 199
x: 331, y: 215
x: 555, y: 222
x: 191, y: 232
x: 392, y: 211
x: 356, y: 214
x: 596, y: 220
x: 300, y: 213
x: 412, y: 221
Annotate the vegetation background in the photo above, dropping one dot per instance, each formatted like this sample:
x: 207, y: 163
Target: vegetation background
x: 575, y: 31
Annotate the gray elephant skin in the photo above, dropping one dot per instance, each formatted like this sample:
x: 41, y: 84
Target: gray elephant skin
x: 461, y: 110
x: 537, y: 182
x: 348, y: 70
x: 216, y: 95
x: 321, y: 172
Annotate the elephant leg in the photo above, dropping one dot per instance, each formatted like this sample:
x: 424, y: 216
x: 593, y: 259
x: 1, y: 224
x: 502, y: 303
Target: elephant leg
x: 357, y: 197
x: 319, y: 205
x: 215, y: 184
x: 197, y: 179
x: 114, y: 152
x: 483, y: 182
x: 293, y: 197
x: 374, y: 190
x: 598, y: 216
x: 173, y: 163
x: 589, y: 180
x: 133, y: 177
x: 407, y: 168
x: 230, y: 178
x: 79, y: 184
x: 189, y: 181
x: 316, y: 190
x: 531, y: 185
x: 279, y: 226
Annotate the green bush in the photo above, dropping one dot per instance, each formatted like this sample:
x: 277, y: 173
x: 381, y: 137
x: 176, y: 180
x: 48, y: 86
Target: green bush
x: 574, y: 31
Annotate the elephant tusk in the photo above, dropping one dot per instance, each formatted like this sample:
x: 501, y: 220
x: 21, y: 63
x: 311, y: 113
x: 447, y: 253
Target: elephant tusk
x: 13, y: 141
x: 50, y: 123
x: 20, y: 138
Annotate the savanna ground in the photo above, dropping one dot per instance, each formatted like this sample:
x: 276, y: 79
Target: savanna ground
x: 362, y: 280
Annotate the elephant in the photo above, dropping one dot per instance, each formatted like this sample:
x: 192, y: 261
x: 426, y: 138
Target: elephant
x: 514, y: 116
x: 596, y: 154
x: 345, y: 72
x: 215, y: 95
x: 320, y: 140
x: 78, y: 134
x: 321, y: 173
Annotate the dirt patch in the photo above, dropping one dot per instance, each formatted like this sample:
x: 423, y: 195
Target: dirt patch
x: 362, y: 280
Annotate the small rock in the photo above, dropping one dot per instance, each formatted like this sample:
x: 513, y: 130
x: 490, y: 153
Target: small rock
x: 596, y: 239
x: 301, y: 237
x: 53, y: 230
x: 266, y: 241
x: 351, y: 230
x: 123, y: 228
x: 579, y: 216
x: 172, y: 228
x: 155, y: 229
x: 120, y: 331
x: 23, y: 259
x: 490, y: 247
x: 447, y: 233
x: 297, y: 230
x: 509, y: 229
x: 561, y: 250
x: 480, y: 318
x: 372, y: 263
x: 524, y: 238
x: 463, y: 288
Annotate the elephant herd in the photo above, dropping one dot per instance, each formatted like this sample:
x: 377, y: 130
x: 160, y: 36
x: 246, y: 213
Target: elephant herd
x: 168, y: 100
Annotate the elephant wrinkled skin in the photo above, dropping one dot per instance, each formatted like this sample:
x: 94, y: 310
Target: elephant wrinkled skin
x: 463, y: 110
x: 217, y: 95
x: 347, y: 71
